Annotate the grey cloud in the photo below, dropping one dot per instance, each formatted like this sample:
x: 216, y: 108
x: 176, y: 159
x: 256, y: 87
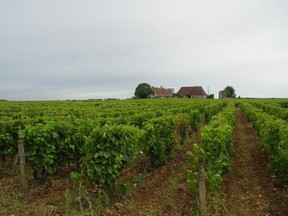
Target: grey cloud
x: 82, y: 49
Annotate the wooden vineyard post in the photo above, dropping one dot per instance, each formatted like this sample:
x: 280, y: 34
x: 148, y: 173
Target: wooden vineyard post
x: 202, y: 187
x: 22, y: 164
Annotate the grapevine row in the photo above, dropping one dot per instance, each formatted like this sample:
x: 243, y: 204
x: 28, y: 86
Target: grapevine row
x: 272, y: 110
x: 100, y: 143
x: 215, y: 149
x: 273, y: 135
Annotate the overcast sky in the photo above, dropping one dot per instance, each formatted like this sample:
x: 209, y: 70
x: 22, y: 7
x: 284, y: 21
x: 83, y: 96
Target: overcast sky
x: 72, y: 49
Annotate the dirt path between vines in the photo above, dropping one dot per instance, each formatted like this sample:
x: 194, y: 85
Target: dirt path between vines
x: 165, y: 190
x: 250, y: 189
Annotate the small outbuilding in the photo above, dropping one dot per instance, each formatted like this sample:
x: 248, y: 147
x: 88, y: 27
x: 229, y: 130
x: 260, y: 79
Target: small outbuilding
x: 222, y: 94
x: 192, y: 92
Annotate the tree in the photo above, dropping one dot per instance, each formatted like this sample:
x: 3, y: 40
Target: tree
x: 230, y: 92
x: 143, y: 90
x: 211, y: 96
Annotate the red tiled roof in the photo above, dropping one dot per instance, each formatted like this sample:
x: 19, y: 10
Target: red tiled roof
x: 192, y: 90
x: 160, y: 92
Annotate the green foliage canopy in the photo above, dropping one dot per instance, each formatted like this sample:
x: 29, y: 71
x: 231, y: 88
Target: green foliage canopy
x: 211, y: 96
x: 143, y: 90
x: 230, y: 92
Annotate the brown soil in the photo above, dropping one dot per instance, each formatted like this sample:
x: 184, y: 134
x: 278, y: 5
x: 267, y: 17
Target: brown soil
x: 37, y: 201
x: 165, y: 190
x: 250, y: 189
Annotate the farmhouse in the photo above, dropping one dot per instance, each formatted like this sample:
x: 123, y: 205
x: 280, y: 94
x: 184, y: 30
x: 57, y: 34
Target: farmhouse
x: 162, y: 92
x: 192, y: 92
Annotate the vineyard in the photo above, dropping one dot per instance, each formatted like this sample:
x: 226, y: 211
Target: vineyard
x: 104, y: 147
